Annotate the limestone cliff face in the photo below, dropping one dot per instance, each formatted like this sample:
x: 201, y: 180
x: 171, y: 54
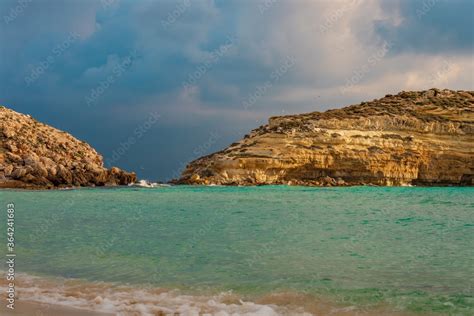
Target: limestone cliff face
x: 421, y: 138
x: 35, y: 155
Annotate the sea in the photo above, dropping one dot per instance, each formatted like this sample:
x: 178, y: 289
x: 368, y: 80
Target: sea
x: 265, y: 250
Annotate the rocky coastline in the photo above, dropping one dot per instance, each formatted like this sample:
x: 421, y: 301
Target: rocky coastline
x: 34, y: 155
x: 411, y: 138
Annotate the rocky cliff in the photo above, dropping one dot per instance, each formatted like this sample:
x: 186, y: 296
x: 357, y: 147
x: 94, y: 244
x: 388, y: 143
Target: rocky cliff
x: 35, y: 155
x: 420, y: 138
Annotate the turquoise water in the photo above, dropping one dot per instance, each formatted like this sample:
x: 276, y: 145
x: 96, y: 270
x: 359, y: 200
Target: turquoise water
x: 409, y: 248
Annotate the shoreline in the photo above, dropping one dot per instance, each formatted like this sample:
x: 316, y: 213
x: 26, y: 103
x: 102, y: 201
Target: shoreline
x: 55, y: 296
x: 34, y: 308
x: 171, y: 184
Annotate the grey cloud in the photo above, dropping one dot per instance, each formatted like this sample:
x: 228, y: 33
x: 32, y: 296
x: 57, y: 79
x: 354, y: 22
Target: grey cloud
x: 174, y: 38
x: 430, y: 26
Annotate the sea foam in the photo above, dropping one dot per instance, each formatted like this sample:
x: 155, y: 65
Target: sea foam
x: 127, y: 300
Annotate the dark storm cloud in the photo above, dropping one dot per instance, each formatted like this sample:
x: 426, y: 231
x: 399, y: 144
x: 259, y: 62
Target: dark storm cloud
x: 98, y: 69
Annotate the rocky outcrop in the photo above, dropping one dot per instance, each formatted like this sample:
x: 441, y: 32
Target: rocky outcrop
x: 419, y: 138
x: 35, y: 155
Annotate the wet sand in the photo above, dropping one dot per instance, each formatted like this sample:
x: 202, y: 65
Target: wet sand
x: 28, y: 308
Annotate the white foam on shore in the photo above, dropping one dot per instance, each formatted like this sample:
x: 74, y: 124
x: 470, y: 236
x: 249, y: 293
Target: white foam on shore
x: 147, y: 184
x: 127, y: 300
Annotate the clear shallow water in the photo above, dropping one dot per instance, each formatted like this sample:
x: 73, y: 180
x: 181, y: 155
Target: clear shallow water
x: 408, y: 248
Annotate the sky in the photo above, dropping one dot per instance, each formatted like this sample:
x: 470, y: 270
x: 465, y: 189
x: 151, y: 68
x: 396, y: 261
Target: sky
x: 152, y: 85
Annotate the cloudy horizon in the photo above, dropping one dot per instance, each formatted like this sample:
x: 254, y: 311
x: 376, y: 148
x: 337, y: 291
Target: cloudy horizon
x: 153, y: 85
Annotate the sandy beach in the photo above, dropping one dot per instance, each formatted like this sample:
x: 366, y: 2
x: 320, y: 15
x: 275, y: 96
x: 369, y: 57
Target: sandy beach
x: 28, y: 308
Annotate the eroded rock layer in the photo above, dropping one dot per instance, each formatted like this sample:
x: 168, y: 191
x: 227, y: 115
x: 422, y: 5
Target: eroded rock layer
x: 35, y: 155
x: 420, y: 138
